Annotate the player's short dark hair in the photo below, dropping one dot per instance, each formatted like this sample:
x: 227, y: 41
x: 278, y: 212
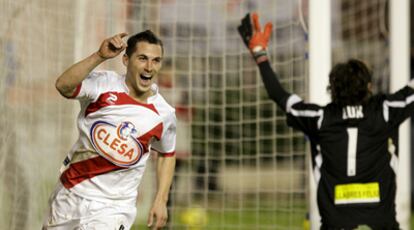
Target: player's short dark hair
x: 348, y: 83
x: 144, y: 36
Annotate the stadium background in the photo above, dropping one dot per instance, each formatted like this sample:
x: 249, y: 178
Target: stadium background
x: 240, y: 166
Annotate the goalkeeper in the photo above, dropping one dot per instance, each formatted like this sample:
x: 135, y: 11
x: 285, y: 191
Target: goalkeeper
x: 354, y: 139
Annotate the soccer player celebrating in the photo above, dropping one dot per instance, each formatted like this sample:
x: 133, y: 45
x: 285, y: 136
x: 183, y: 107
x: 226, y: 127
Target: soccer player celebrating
x: 122, y: 118
x: 353, y: 138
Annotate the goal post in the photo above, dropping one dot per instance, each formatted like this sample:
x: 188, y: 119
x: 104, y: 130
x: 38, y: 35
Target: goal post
x: 320, y: 62
x: 399, y: 12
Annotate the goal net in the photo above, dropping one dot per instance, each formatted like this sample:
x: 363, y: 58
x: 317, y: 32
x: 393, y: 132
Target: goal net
x: 360, y: 30
x: 36, y: 43
x: 238, y: 165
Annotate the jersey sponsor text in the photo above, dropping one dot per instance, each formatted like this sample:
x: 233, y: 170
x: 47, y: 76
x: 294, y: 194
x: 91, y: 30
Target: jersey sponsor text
x: 116, y: 143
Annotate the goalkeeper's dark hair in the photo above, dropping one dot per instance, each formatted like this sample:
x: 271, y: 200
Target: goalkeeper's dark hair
x: 144, y: 36
x: 348, y: 83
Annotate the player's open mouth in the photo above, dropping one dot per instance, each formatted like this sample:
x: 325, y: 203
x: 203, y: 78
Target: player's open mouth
x: 146, y: 77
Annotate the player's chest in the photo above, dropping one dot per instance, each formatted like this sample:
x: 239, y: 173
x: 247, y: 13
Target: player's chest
x: 123, y: 133
x: 115, y: 114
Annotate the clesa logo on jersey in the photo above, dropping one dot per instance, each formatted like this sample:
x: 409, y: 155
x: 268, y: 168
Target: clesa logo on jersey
x: 117, y: 143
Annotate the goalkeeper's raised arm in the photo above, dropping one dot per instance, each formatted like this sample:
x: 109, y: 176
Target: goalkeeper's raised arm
x: 256, y: 41
x: 67, y: 82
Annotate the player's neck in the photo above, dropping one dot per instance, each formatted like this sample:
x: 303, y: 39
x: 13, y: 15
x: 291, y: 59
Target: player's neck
x: 139, y: 96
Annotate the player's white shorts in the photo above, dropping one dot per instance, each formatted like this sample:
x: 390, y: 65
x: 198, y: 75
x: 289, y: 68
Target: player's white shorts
x: 70, y: 211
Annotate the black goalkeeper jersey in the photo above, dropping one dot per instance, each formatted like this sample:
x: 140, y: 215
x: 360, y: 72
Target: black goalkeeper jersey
x: 354, y: 153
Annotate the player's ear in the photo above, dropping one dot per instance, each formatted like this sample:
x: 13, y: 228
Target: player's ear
x: 125, y: 60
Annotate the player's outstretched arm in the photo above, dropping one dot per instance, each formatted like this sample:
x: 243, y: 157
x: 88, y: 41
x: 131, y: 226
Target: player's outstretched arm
x: 256, y: 41
x: 67, y: 82
x: 158, y: 215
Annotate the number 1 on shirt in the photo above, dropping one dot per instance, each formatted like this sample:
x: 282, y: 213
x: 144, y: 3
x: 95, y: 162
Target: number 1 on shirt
x: 352, y: 149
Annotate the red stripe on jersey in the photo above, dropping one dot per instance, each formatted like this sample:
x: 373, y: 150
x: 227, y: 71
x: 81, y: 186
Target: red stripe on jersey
x: 83, y: 170
x: 168, y: 154
x: 155, y: 132
x: 77, y: 90
x: 115, y: 98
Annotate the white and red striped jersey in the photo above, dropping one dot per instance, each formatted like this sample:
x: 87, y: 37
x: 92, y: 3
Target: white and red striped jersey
x: 116, y: 134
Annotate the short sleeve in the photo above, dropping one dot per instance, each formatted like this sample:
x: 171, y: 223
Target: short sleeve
x: 90, y: 87
x: 306, y: 117
x: 166, y: 144
x: 399, y: 106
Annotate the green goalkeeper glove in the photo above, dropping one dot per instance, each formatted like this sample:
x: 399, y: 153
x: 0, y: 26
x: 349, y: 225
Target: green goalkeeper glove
x: 255, y: 39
